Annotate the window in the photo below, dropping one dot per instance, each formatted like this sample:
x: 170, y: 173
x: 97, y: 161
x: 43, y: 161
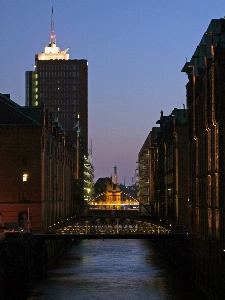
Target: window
x: 25, y: 177
x: 24, y: 196
x: 24, y: 161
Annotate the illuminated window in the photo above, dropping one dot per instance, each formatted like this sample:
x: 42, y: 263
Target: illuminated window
x: 25, y: 177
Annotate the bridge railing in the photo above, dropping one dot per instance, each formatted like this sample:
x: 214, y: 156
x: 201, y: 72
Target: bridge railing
x: 113, y: 226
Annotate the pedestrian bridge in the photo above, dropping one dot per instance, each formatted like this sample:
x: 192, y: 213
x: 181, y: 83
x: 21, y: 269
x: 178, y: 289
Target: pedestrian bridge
x: 114, y: 228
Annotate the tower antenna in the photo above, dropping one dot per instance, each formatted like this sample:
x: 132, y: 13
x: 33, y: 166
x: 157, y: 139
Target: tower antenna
x: 52, y: 34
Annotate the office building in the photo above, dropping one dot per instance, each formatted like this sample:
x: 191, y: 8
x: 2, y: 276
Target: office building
x: 61, y: 84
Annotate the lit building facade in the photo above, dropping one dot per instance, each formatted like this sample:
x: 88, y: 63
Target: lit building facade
x: 146, y: 194
x: 88, y: 177
x: 108, y: 195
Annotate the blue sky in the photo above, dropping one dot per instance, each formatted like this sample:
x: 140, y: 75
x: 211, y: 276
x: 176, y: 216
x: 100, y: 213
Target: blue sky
x: 135, y: 49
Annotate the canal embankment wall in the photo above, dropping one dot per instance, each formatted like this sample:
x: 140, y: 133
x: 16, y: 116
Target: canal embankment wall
x: 24, y: 261
x: 199, y: 264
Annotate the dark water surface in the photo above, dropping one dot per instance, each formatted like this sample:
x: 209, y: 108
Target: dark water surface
x: 113, y: 269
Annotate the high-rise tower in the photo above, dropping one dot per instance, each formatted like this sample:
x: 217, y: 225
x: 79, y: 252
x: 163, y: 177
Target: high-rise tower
x: 62, y: 84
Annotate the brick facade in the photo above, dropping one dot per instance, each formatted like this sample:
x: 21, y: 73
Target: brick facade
x: 167, y: 168
x: 36, y: 167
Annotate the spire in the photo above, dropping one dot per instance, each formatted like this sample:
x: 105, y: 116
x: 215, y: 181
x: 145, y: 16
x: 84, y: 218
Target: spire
x: 52, y: 34
x: 115, y: 175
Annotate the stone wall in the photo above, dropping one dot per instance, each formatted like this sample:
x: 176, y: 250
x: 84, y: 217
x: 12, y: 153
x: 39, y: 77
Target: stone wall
x: 23, y: 262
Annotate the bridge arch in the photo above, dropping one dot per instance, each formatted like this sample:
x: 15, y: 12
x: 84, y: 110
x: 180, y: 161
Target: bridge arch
x: 118, y: 201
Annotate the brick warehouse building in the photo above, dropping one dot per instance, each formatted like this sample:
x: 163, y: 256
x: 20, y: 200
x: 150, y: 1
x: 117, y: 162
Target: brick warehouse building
x: 163, y: 169
x: 206, y: 117
x: 172, y: 147
x: 36, y: 167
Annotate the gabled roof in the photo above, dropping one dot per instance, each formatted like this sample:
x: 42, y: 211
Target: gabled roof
x: 105, y: 185
x: 214, y: 35
x: 12, y: 113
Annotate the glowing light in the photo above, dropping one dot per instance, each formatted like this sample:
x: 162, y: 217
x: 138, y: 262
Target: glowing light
x: 25, y: 177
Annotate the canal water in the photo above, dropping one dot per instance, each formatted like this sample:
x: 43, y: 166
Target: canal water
x: 113, y: 269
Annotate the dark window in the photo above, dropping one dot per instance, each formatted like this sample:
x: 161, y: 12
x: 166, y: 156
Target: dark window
x: 24, y: 196
x: 24, y: 161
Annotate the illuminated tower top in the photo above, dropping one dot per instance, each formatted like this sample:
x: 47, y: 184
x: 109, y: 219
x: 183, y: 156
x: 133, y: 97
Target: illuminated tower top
x: 51, y: 51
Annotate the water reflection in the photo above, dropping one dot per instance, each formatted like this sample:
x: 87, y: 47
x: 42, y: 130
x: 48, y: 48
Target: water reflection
x: 112, y: 269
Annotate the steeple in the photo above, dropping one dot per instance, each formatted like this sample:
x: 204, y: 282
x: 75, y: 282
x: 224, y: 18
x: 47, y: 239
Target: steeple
x: 115, y: 175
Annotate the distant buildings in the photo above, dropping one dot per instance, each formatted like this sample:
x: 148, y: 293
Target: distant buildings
x: 146, y: 184
x: 36, y: 167
x: 108, y: 195
x: 163, y: 169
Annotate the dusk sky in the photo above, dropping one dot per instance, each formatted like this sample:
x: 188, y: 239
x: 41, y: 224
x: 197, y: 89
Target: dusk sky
x: 135, y: 50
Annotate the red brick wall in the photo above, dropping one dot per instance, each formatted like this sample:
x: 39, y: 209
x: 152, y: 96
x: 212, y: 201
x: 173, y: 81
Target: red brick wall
x: 48, y: 191
x: 19, y: 154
